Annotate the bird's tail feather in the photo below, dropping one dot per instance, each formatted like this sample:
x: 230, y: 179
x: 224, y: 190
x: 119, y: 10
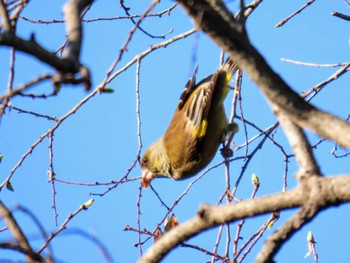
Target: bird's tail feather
x: 230, y: 66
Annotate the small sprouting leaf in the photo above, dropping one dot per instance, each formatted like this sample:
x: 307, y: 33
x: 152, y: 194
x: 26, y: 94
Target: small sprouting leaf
x: 310, y: 245
x: 9, y: 186
x: 107, y: 90
x: 255, y: 180
x: 270, y: 225
x: 57, y: 88
x: 1, y: 157
x: 89, y: 203
x: 274, y: 217
x: 310, y: 237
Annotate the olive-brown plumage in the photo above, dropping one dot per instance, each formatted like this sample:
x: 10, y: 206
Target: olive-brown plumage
x: 194, y: 134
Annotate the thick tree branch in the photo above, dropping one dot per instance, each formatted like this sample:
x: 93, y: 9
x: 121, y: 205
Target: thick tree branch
x: 5, y: 17
x: 315, y: 202
x: 322, y: 191
x: 74, y: 28
x: 300, y: 144
x: 218, y: 22
x: 72, y: 17
x: 34, y: 49
x: 28, y: 252
x: 277, y: 239
x: 70, y: 63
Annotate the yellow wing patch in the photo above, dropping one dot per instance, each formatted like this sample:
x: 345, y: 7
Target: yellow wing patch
x: 202, y: 129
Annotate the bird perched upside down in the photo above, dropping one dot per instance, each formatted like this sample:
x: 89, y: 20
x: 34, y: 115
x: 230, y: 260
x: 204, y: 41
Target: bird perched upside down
x: 194, y: 134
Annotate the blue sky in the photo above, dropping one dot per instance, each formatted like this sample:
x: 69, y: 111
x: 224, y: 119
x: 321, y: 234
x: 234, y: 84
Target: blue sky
x: 99, y: 142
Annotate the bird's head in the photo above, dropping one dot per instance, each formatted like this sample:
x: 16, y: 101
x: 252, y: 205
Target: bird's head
x: 154, y: 163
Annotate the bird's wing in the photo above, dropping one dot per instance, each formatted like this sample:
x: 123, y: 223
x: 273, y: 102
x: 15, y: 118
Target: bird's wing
x: 196, y: 109
x: 198, y: 105
x: 189, y: 88
x: 185, y: 137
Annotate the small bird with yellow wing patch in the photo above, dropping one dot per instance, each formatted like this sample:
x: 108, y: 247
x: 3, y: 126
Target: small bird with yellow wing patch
x: 196, y: 130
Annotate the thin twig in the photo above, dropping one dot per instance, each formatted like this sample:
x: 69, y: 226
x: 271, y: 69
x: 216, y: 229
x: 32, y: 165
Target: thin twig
x: 316, y: 89
x: 138, y: 221
x: 294, y: 14
x: 217, y: 243
x: 206, y: 252
x: 277, y: 239
x: 255, y: 237
x: 301, y: 147
x: 35, y: 114
x: 12, y: 92
x: 340, y: 15
x: 42, y: 137
x: 60, y: 21
x: 318, y: 65
x: 108, y: 77
x: 126, y: 10
x: 146, y: 52
x: 52, y: 175
x: 63, y: 226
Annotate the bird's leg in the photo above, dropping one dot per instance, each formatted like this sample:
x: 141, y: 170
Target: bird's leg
x: 226, y: 151
x: 232, y: 129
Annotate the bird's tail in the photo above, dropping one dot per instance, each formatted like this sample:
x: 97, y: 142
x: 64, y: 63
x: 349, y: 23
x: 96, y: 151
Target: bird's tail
x: 230, y: 67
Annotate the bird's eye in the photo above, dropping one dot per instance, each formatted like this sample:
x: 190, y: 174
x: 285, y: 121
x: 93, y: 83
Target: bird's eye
x: 145, y: 160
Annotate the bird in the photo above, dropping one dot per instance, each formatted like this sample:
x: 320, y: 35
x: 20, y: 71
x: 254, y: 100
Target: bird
x: 197, y: 128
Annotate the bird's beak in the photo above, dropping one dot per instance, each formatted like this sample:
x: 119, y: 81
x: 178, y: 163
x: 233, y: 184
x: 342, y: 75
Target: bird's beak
x: 146, y: 177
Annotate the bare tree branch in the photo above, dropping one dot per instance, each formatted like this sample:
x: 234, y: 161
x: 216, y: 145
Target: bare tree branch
x: 277, y: 239
x: 301, y: 146
x: 18, y: 234
x: 65, y: 223
x: 295, y: 13
x: 32, y: 48
x: 314, y: 202
x: 42, y: 137
x: 313, y: 194
x: 70, y: 62
x: 72, y: 16
x: 217, y: 21
x: 314, y: 90
x: 5, y: 17
x: 326, y: 191
x: 25, y: 86
x: 340, y: 15
x: 28, y: 252
x: 35, y: 219
x: 149, y: 50
x: 72, y: 12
